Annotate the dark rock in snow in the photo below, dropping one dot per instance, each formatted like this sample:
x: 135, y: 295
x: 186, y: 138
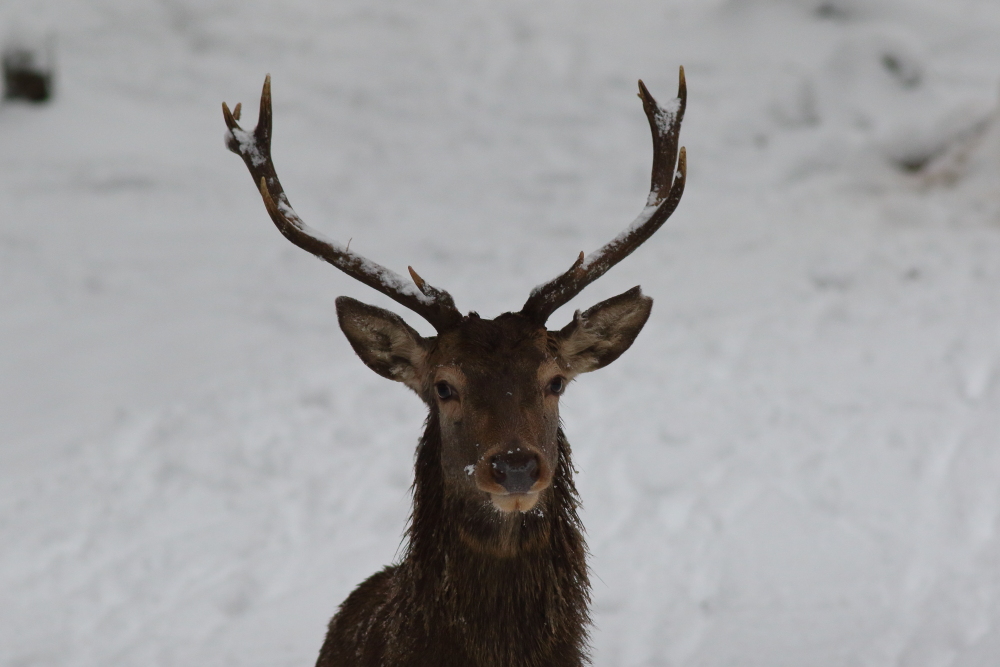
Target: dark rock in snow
x: 27, y: 74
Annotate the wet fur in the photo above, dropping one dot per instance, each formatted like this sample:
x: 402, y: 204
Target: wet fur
x: 476, y: 588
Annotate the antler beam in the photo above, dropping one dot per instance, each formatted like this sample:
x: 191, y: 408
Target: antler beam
x: 434, y: 305
x: 665, y: 190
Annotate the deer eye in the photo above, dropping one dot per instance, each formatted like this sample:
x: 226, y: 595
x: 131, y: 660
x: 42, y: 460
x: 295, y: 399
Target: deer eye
x: 557, y: 385
x: 444, y: 391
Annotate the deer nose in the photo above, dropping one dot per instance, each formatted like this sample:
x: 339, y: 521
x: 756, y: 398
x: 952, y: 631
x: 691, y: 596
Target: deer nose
x: 515, y: 471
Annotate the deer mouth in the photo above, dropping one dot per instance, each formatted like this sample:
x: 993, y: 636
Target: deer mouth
x: 515, y: 502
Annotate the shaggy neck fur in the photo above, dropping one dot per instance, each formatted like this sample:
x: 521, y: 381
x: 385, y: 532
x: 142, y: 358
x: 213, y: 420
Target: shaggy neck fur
x: 476, y: 588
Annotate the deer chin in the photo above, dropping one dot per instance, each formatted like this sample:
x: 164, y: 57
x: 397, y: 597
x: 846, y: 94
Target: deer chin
x: 515, y: 502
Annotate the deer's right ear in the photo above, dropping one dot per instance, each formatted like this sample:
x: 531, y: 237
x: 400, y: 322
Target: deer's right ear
x: 387, y: 344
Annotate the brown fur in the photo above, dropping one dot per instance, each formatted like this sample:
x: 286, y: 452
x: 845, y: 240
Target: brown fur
x: 451, y: 602
x: 477, y: 586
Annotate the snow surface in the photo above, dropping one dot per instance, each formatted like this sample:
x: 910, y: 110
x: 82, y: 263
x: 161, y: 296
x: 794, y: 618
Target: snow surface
x: 795, y: 465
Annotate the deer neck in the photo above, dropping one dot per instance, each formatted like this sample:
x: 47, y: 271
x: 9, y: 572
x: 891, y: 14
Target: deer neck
x: 467, y: 552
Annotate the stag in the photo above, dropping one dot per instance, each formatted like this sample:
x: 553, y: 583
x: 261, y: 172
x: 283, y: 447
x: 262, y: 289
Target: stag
x: 494, y: 571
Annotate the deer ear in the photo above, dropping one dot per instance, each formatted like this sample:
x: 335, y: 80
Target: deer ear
x: 387, y: 344
x: 600, y: 335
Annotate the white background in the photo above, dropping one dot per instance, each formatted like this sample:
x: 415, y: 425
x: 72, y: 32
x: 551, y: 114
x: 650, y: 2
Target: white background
x: 796, y: 464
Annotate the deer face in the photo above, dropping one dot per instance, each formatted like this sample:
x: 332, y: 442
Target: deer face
x: 495, y: 386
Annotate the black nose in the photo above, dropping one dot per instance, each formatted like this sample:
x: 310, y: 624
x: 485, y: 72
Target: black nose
x: 515, y: 471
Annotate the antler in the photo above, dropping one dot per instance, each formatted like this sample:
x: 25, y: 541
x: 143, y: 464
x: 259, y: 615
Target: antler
x: 434, y: 305
x: 665, y: 190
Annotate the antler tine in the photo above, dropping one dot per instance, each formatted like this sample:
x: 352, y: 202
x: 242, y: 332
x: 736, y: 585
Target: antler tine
x: 665, y: 190
x: 434, y: 305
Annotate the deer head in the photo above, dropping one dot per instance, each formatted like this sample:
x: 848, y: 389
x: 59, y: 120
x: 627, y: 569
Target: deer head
x: 492, y: 385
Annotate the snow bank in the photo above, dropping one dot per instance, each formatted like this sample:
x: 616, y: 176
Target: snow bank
x: 796, y: 463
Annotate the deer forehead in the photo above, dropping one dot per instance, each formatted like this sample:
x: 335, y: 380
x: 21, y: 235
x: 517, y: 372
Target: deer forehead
x: 483, y: 349
x: 527, y: 368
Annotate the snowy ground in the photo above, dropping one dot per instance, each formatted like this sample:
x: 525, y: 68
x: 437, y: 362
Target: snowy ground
x: 796, y: 464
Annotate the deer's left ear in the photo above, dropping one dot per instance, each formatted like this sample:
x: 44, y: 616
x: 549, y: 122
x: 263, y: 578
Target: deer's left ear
x: 387, y: 344
x: 600, y: 335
